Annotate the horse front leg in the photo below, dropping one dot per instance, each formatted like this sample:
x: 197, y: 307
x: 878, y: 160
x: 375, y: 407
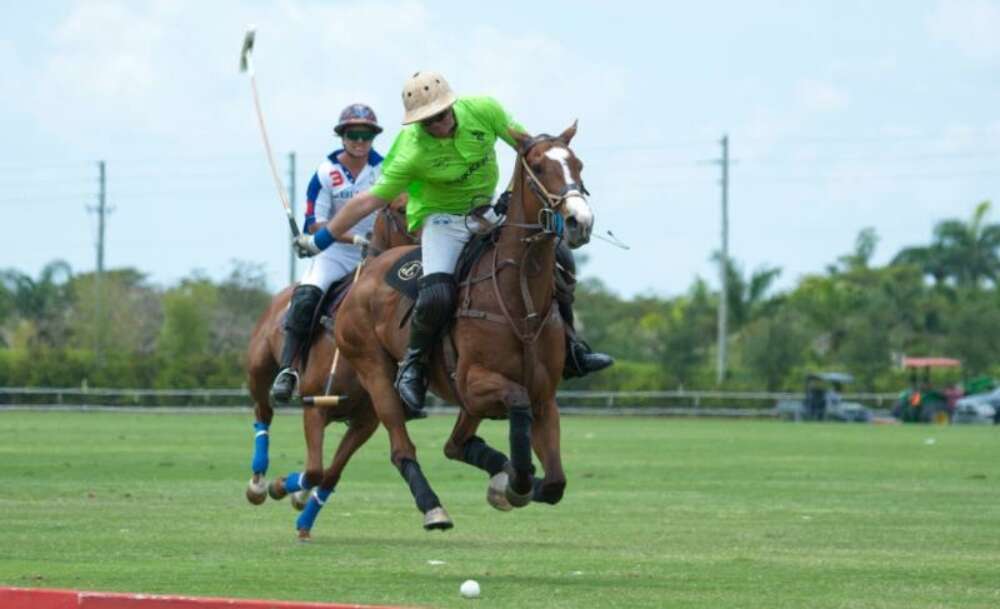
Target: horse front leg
x: 487, y: 389
x: 465, y: 446
x: 545, y: 435
x: 256, y: 492
x: 359, y: 430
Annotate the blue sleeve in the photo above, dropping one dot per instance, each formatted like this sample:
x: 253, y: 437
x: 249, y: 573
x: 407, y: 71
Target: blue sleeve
x: 311, y: 193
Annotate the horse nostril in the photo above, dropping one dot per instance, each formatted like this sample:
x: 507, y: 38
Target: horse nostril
x: 572, y: 223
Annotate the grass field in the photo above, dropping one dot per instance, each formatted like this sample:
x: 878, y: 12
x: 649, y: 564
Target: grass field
x: 657, y: 513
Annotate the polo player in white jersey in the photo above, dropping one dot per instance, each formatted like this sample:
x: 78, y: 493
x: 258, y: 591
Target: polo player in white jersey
x: 345, y: 173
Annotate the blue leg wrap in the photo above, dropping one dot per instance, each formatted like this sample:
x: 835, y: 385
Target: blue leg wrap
x: 260, y: 446
x: 294, y: 482
x: 315, y: 504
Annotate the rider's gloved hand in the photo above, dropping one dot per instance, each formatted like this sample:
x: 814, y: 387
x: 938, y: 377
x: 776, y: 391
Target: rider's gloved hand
x: 305, y: 246
x: 360, y: 240
x: 310, y: 245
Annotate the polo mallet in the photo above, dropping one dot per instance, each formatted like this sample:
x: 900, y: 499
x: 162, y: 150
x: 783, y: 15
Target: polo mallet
x: 326, y: 399
x: 246, y: 66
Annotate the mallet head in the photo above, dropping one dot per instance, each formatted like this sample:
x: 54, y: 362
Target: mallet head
x: 247, y: 48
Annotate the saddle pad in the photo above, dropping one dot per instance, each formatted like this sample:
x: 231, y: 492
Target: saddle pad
x: 404, y: 274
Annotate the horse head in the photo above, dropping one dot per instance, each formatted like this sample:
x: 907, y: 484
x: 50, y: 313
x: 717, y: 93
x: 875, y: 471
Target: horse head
x: 553, y: 174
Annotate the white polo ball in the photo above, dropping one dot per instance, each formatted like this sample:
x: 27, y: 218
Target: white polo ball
x: 469, y: 588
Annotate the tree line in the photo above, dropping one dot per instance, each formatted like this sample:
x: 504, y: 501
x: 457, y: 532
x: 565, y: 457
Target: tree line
x: 62, y: 329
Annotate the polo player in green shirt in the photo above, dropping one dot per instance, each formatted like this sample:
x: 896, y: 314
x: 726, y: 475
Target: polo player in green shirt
x: 445, y: 158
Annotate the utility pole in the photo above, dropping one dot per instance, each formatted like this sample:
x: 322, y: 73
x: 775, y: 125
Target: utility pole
x: 291, y: 202
x: 102, y: 212
x: 723, y: 265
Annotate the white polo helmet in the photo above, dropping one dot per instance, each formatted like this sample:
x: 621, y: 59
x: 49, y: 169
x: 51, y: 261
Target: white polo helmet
x: 424, y: 95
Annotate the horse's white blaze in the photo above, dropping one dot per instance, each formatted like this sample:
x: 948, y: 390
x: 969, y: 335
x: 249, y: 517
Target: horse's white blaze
x: 578, y: 208
x: 576, y: 205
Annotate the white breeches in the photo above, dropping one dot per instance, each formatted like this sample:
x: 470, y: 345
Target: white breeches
x: 332, y: 264
x: 443, y: 238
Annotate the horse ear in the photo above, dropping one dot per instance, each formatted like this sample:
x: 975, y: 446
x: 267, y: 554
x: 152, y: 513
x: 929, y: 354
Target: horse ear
x: 567, y: 135
x: 520, y: 137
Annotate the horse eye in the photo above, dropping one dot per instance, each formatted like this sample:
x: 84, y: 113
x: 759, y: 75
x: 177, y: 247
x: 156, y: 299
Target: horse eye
x: 536, y: 167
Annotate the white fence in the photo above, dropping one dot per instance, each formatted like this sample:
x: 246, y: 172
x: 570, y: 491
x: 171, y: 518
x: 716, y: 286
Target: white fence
x: 745, y: 403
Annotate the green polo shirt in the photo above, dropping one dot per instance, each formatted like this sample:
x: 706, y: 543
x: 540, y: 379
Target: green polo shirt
x: 447, y: 175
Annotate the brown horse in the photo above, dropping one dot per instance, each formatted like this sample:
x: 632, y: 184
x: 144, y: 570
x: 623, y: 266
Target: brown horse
x: 262, y: 366
x: 508, y: 338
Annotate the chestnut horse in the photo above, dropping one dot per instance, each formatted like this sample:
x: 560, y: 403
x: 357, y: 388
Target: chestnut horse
x: 507, y: 336
x: 262, y: 367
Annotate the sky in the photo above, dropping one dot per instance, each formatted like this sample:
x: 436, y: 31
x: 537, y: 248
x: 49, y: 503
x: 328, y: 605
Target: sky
x: 840, y: 116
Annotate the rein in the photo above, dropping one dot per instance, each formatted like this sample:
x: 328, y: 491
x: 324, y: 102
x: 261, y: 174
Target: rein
x: 391, y: 225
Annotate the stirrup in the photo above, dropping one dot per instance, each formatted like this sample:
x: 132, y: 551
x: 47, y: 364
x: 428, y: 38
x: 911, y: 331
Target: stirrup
x: 278, y: 394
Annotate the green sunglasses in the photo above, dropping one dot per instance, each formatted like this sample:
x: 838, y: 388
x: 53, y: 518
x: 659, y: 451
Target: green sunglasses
x: 360, y: 136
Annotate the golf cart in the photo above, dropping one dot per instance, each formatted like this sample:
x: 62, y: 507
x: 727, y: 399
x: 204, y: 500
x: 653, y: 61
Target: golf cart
x: 822, y: 401
x: 921, y: 402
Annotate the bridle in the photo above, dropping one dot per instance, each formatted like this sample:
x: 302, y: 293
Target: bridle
x: 550, y: 221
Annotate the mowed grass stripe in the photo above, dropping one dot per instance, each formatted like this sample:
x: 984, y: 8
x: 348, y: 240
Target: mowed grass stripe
x: 658, y: 513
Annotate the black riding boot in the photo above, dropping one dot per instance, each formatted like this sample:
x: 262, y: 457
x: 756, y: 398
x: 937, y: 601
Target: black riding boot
x: 435, y: 306
x: 580, y: 359
x: 305, y: 298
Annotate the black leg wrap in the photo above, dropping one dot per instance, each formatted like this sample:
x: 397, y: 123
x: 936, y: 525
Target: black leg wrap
x: 547, y: 493
x: 477, y: 452
x: 520, y: 448
x: 421, y: 489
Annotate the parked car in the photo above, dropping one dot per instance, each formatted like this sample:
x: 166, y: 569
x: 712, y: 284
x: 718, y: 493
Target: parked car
x: 979, y: 408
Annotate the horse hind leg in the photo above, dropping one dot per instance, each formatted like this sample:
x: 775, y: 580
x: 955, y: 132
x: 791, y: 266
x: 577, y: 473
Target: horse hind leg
x: 376, y: 371
x: 359, y: 430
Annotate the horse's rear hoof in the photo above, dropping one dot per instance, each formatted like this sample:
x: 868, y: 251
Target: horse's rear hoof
x: 277, y: 489
x: 304, y: 535
x: 438, y: 519
x: 257, y: 490
x: 496, y: 492
x: 299, y: 499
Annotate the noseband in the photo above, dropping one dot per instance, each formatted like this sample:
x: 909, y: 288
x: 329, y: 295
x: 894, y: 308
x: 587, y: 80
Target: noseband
x: 550, y: 222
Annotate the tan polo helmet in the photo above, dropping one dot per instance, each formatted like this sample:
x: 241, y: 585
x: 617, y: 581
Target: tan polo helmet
x: 424, y: 95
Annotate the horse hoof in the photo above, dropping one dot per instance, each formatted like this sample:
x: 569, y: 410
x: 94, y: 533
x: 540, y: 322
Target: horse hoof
x: 277, y: 488
x: 496, y: 492
x: 257, y: 490
x: 437, y: 518
x: 304, y: 535
x: 299, y: 499
x: 516, y: 499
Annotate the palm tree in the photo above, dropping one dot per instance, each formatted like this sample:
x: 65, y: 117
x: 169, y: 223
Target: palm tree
x: 965, y: 252
x: 38, y: 301
x: 969, y: 250
x: 746, y: 295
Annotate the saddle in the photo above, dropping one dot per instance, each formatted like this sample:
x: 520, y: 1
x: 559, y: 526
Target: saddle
x: 405, y: 273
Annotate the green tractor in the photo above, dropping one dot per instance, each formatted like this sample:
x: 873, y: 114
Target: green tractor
x: 922, y: 402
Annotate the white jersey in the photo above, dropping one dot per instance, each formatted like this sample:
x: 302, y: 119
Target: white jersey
x: 330, y: 188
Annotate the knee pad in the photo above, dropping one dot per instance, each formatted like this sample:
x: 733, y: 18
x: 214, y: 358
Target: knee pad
x: 305, y: 299
x: 436, y: 299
